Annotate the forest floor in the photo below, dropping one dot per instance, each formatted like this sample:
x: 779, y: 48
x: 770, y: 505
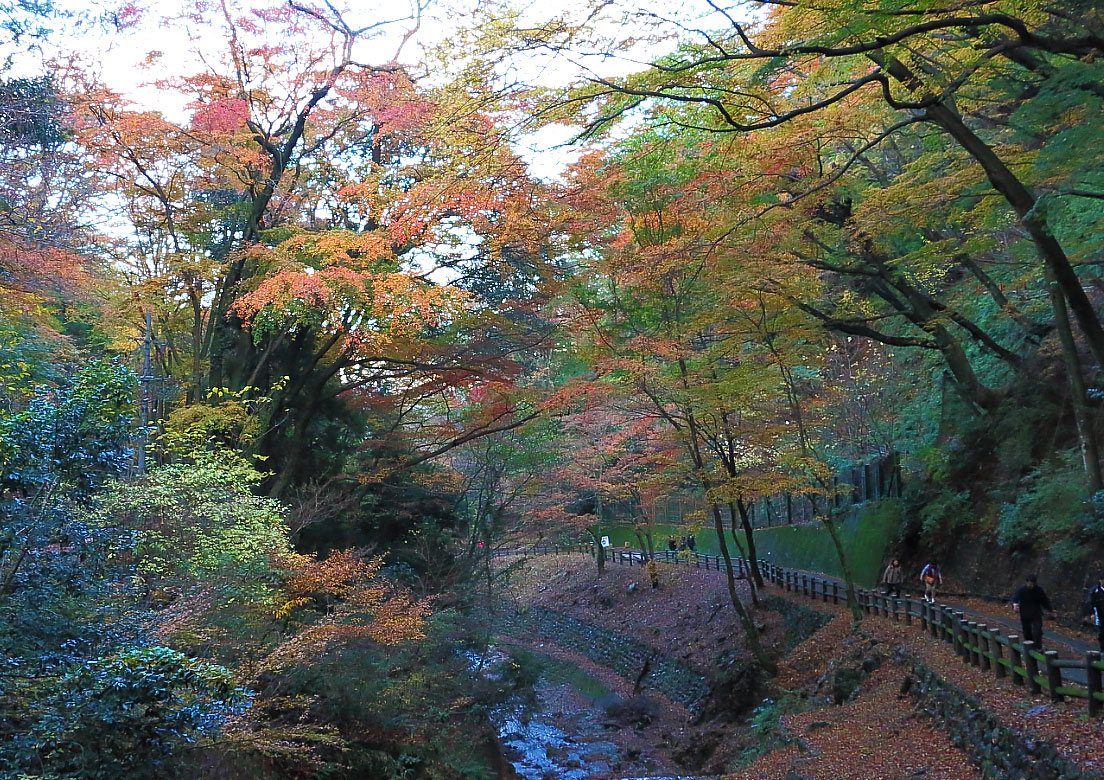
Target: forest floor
x: 796, y: 730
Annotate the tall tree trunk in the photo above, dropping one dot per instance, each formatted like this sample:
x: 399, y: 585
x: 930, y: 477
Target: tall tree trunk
x: 769, y: 666
x: 1025, y: 205
x: 744, y: 556
x: 1082, y: 413
x: 749, y: 534
x: 1018, y: 196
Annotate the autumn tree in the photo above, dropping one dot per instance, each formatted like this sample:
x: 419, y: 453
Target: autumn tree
x: 852, y: 87
x: 337, y: 222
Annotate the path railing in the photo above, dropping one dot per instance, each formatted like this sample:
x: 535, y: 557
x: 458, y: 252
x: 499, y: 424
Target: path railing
x: 1005, y: 656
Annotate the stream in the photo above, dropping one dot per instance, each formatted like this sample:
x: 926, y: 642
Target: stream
x: 569, y: 735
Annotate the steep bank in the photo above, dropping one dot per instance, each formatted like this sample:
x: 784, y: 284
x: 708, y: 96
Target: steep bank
x: 841, y: 694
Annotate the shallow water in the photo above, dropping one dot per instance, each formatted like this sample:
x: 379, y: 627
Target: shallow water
x: 568, y: 735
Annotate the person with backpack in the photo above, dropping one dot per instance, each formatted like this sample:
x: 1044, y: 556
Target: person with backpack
x: 1031, y: 602
x: 932, y: 578
x: 893, y: 577
x: 1096, y: 608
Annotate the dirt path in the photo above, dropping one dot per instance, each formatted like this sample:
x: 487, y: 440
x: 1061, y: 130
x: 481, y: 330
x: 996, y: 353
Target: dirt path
x: 688, y: 616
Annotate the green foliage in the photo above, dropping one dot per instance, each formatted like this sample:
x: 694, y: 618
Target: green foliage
x: 125, y: 716
x: 75, y: 435
x: 944, y: 515
x: 1051, y: 512
x: 199, y: 519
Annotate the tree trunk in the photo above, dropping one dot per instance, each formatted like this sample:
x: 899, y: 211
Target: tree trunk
x: 769, y: 666
x: 749, y: 533
x: 1086, y: 433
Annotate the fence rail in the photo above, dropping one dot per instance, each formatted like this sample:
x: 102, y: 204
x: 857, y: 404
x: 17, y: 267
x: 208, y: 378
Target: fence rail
x: 1005, y: 656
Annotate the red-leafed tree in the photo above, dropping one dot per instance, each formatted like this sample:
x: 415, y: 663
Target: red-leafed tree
x: 326, y: 235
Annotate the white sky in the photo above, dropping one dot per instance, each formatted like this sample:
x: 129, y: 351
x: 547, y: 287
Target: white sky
x: 118, y: 57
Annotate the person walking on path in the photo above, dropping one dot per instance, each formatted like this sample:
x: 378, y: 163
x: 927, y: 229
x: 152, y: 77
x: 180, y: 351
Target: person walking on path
x: 1096, y: 608
x: 932, y: 579
x: 893, y: 577
x: 1031, y: 602
x: 691, y: 543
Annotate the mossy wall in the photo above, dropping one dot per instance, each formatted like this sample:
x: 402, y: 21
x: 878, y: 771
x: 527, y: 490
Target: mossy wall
x: 867, y: 536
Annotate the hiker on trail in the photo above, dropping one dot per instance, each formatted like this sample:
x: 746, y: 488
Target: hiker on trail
x: 893, y: 577
x: 691, y: 543
x: 682, y: 544
x: 1031, y: 601
x: 1096, y: 608
x: 672, y: 545
x: 932, y: 578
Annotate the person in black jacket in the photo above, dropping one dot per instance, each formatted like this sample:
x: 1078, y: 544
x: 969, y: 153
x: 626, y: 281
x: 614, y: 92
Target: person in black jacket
x: 1096, y: 608
x: 1031, y: 602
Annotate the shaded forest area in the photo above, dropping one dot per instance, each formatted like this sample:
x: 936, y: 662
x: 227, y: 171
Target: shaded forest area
x: 288, y: 350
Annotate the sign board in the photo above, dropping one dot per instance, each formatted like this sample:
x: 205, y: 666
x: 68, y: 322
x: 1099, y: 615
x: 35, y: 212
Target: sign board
x: 605, y: 541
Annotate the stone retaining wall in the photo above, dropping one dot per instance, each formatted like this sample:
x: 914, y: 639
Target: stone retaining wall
x: 999, y: 751
x: 673, y: 678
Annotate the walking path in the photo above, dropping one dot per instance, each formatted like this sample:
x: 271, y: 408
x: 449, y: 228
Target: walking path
x: 983, y: 639
x: 1052, y: 634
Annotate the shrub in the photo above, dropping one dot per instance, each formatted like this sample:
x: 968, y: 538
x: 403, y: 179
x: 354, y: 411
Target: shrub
x: 125, y: 716
x: 1051, y: 510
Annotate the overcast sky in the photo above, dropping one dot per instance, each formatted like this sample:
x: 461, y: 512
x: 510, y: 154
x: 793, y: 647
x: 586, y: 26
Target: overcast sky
x: 118, y: 56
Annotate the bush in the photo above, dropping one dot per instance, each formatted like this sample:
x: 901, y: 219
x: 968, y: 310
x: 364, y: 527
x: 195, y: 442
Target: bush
x: 1051, y: 510
x: 126, y: 716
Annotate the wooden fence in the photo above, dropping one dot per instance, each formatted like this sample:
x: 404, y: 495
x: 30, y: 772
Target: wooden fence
x: 977, y: 644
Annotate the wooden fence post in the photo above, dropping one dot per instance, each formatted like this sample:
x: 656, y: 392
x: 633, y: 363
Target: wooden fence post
x: 1016, y: 660
x: 998, y: 654
x: 908, y: 611
x: 835, y: 593
x: 1031, y: 664
x: 983, y: 646
x: 1093, y: 662
x: 973, y: 646
x: 1053, y: 674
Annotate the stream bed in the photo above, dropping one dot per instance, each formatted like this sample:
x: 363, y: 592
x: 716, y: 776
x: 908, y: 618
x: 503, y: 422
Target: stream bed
x: 572, y: 732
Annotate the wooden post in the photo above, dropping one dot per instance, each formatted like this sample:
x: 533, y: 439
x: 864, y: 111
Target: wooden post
x: 1015, y: 659
x: 835, y: 593
x: 1093, y: 661
x: 998, y: 654
x: 948, y: 624
x: 908, y: 611
x: 983, y: 646
x: 973, y: 649
x: 1031, y: 664
x: 956, y: 635
x: 1053, y: 674
x: 805, y: 584
x: 925, y: 623
x: 896, y: 610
